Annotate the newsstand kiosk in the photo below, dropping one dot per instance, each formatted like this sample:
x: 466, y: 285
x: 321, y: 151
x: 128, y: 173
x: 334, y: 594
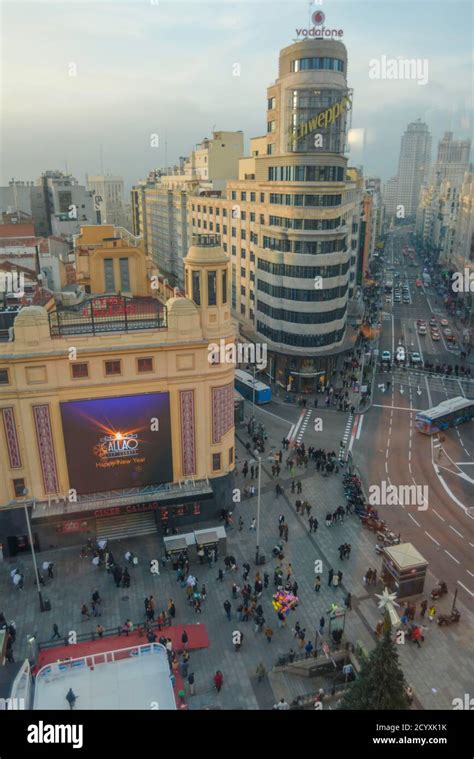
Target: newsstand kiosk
x: 404, y: 570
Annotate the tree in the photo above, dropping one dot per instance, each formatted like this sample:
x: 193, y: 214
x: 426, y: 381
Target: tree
x: 381, y: 683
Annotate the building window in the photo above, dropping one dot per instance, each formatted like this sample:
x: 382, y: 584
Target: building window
x: 216, y: 462
x: 252, y: 256
x: 242, y: 308
x: 109, y: 275
x: 262, y: 197
x: 243, y: 253
x: 233, y: 195
x: 252, y: 215
x: 242, y: 273
x: 242, y: 290
x: 231, y: 455
x: 144, y: 364
x: 224, y: 229
x: 224, y: 211
x: 113, y: 367
x: 196, y: 279
x: 218, y: 211
x: 243, y: 234
x: 251, y: 314
x: 271, y: 104
x: 262, y: 219
x: 234, y: 250
x: 124, y: 275
x: 19, y: 487
x: 271, y: 126
x: 224, y: 286
x: 243, y: 196
x: 218, y: 227
x: 243, y: 215
x: 80, y: 371
x: 4, y: 377
x: 211, y: 288
x: 270, y: 147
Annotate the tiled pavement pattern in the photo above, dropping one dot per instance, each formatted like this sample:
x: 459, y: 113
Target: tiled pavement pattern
x: 444, y: 663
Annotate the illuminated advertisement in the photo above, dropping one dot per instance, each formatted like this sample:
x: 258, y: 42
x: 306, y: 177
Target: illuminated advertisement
x: 114, y: 443
x: 329, y: 122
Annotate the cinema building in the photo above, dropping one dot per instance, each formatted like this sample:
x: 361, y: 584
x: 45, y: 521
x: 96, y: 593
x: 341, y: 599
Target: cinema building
x: 113, y: 422
x: 290, y: 223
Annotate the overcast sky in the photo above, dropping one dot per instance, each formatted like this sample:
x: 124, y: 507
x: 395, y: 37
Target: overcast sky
x: 155, y: 67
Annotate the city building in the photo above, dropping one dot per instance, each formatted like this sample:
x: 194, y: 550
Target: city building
x: 16, y: 197
x: 47, y: 256
x: 108, y: 199
x: 439, y: 198
x: 160, y: 206
x: 389, y: 199
x: 413, y: 166
x: 290, y: 222
x: 111, y: 260
x: 113, y: 421
x: 59, y: 205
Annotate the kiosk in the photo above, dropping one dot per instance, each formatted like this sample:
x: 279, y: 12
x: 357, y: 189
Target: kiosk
x: 404, y: 570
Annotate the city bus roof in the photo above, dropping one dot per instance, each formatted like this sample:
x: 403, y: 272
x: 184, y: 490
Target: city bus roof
x: 249, y: 380
x: 446, y: 407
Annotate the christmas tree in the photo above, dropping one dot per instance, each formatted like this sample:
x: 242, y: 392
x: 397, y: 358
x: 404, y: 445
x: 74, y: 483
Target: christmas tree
x: 381, y: 683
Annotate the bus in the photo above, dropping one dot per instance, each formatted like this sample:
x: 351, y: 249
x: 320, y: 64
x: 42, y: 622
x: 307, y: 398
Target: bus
x: 251, y: 388
x: 449, y: 413
x: 239, y: 403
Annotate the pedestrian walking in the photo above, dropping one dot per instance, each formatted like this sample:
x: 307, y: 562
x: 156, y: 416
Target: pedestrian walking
x: 56, y: 633
x: 184, y: 639
x: 301, y: 637
x: 308, y: 649
x: 220, y: 576
x: 348, y: 602
x: 100, y: 630
x: 50, y: 570
x: 227, y: 608
x: 171, y: 608
x: 322, y: 622
x: 299, y: 487
x: 71, y: 698
x: 85, y: 612
x: 191, y: 683
x: 339, y: 574
x: 317, y: 584
x: 268, y: 632
x: 374, y: 577
x: 218, y: 680
x: 431, y: 613
x: 330, y: 576
x: 260, y: 672
x: 335, y: 581
x: 423, y: 607
x: 253, y: 525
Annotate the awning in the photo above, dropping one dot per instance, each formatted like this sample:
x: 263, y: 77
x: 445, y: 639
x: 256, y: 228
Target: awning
x: 175, y: 544
x: 205, y: 538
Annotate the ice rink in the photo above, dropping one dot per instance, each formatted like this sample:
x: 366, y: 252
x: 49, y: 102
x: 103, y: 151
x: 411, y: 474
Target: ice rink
x: 132, y: 678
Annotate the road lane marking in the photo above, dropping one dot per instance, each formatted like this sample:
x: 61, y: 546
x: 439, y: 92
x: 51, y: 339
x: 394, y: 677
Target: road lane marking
x: 432, y: 538
x: 397, y: 408
x: 360, y: 427
x: 413, y: 518
x: 463, y: 586
x: 456, y: 531
x: 452, y: 557
x: 470, y: 573
x: 439, y: 515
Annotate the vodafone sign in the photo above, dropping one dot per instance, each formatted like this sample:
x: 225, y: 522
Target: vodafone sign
x: 318, y: 30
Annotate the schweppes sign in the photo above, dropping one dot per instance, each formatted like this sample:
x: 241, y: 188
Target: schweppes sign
x: 322, y: 120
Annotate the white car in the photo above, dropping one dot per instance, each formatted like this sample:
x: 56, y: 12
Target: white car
x: 416, y: 358
x: 422, y: 329
x: 386, y: 357
x: 401, y: 356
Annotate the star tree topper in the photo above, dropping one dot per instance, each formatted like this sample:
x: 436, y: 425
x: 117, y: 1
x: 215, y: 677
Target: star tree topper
x: 387, y: 603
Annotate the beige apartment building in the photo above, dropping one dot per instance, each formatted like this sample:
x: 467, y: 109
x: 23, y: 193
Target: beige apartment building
x: 290, y: 221
x: 113, y: 420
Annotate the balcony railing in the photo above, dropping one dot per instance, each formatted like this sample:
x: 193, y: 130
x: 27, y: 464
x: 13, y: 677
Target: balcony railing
x: 108, y: 313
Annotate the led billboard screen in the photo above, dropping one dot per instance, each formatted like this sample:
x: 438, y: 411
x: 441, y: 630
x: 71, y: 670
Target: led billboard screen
x: 114, y: 443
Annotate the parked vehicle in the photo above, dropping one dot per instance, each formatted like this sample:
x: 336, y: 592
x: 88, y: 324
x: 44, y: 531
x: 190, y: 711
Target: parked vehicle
x: 448, y: 619
x: 440, y: 590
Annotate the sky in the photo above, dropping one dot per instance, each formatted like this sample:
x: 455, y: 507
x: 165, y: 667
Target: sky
x: 84, y: 85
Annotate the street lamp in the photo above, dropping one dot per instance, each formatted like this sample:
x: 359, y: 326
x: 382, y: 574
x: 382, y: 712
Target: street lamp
x: 30, y: 537
x: 257, y: 553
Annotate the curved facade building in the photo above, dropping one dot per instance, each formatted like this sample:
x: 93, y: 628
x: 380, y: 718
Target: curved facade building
x: 291, y: 220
